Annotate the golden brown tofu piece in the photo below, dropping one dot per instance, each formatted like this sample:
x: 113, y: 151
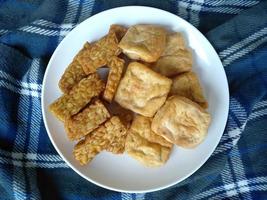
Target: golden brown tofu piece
x: 144, y: 42
x: 99, y: 54
x: 142, y: 90
x: 118, y: 30
x: 116, y: 66
x: 86, y: 121
x: 188, y: 85
x: 74, y: 72
x: 79, y: 96
x: 176, y: 58
x: 146, y: 146
x: 110, y: 136
x: 182, y: 122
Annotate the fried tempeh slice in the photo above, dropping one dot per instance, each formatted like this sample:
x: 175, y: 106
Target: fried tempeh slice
x: 99, y: 54
x: 86, y: 121
x: 118, y: 30
x: 74, y: 72
x: 116, y: 67
x: 109, y: 136
x: 81, y: 94
x: 85, y: 150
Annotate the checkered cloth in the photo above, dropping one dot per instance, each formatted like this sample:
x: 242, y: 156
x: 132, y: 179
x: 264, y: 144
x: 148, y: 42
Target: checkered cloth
x: 31, y: 168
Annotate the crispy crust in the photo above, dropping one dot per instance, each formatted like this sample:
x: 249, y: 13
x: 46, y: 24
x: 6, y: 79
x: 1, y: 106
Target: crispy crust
x: 86, y: 121
x: 81, y: 94
x: 144, y: 42
x: 109, y: 136
x: 146, y: 146
x: 118, y: 30
x: 74, y: 72
x: 99, y: 53
x: 116, y: 66
x: 176, y: 58
x: 182, y: 122
x: 188, y: 85
x: 142, y: 90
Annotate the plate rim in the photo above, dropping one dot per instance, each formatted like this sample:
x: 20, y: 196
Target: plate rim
x: 73, y: 167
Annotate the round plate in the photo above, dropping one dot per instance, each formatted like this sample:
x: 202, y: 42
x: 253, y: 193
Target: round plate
x: 121, y: 172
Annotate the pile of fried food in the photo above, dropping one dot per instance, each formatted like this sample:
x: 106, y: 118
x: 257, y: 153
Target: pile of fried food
x: 151, y: 100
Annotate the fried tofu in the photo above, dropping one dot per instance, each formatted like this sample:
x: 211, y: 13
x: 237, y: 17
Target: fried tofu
x: 79, y: 96
x: 119, y: 30
x: 116, y: 66
x: 74, y: 72
x: 176, y: 58
x: 182, y: 122
x: 188, y: 85
x: 86, y: 121
x: 142, y: 90
x: 146, y: 146
x: 110, y: 136
x: 144, y: 42
x: 99, y: 54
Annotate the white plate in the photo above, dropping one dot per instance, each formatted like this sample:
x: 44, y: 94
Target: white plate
x: 120, y: 172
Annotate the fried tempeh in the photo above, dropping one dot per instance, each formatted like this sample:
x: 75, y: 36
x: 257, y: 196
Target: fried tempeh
x: 86, y: 121
x: 116, y: 67
x: 74, y: 72
x: 99, y: 54
x: 81, y: 94
x: 109, y: 136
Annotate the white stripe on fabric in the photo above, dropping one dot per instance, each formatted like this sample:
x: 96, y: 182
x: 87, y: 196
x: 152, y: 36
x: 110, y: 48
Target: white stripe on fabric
x: 227, y: 179
x: 221, y: 9
x: 182, y: 12
x: 71, y: 13
x: 126, y: 196
x: 262, y: 187
x: 244, y: 51
x: 260, y: 105
x: 238, y: 110
x: 41, y: 31
x: 194, y: 16
x: 19, y: 183
x: 242, y: 3
x: 3, y: 31
x: 35, y: 126
x: 31, y: 156
x: 26, y: 85
x: 19, y: 90
x: 34, y: 190
x: 140, y: 196
x: 20, y: 179
x: 50, y: 24
x: 239, y: 171
x: 243, y: 43
x: 234, y: 134
x: 260, y: 180
x: 258, y: 114
x: 72, y: 10
x: 86, y: 11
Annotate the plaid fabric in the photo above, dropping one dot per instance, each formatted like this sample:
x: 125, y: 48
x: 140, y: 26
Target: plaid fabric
x: 30, y: 32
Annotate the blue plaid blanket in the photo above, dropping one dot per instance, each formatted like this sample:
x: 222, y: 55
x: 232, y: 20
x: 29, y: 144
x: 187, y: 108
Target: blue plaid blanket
x: 31, y: 168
